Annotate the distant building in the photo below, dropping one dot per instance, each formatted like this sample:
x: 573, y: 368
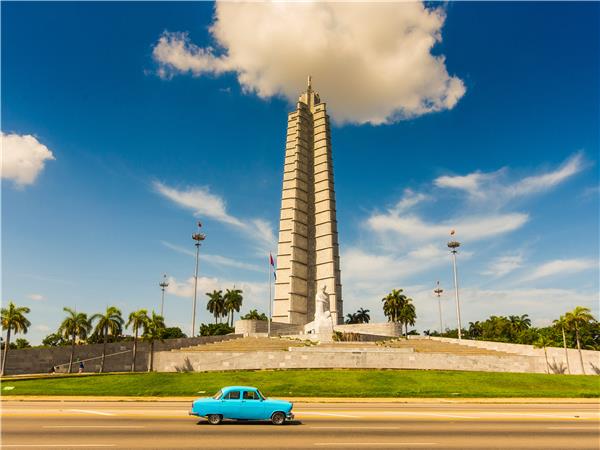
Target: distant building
x: 308, y: 255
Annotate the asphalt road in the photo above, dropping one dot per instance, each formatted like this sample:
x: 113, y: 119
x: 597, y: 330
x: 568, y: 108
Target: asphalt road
x: 67, y: 425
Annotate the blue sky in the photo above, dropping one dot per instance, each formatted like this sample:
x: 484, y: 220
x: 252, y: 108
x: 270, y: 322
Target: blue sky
x: 124, y: 122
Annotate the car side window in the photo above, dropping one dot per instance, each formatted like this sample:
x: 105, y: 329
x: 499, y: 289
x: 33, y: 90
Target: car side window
x: 232, y: 395
x: 250, y: 395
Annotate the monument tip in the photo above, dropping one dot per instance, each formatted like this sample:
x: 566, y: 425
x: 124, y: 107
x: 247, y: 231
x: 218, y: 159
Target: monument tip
x: 309, y: 82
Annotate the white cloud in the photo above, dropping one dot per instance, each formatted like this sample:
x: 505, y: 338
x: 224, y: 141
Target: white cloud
x: 503, y: 265
x: 383, y: 51
x: 214, y: 259
x: 409, y: 200
x: 23, y: 158
x: 41, y: 327
x: 545, y: 181
x: 493, y: 186
x: 36, y: 297
x: 475, y: 227
x: 200, y: 201
x: 207, y: 205
x: 561, y: 267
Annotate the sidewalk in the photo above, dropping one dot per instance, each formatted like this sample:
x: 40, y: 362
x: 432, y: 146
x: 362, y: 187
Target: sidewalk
x: 508, y: 400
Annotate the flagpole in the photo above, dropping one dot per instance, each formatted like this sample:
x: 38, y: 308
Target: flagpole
x: 270, y: 301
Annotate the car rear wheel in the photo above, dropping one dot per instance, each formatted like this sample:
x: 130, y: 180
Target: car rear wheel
x: 278, y: 418
x: 215, y: 419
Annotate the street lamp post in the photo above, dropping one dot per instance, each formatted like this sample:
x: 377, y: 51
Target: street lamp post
x: 438, y: 291
x: 453, y: 246
x: 163, y: 285
x: 198, y: 238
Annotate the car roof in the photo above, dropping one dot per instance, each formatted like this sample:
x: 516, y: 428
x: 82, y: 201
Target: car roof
x: 229, y: 388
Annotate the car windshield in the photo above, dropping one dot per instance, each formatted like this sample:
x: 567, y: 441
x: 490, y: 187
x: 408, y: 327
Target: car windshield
x: 218, y: 395
x: 260, y: 395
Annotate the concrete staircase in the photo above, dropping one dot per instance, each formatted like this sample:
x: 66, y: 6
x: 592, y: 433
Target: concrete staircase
x: 430, y: 346
x: 247, y: 344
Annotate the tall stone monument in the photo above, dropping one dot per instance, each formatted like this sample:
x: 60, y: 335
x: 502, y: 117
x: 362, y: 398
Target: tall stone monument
x: 308, y: 257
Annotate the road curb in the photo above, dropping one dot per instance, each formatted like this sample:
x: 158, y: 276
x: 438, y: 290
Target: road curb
x: 52, y: 398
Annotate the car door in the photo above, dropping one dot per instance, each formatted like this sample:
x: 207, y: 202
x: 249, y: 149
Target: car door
x: 231, y: 405
x: 252, y: 406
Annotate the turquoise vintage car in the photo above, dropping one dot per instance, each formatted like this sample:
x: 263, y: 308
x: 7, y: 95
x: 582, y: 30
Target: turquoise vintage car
x: 242, y: 403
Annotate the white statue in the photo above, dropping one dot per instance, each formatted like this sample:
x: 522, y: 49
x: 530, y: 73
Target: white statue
x: 322, y: 305
x: 323, y: 323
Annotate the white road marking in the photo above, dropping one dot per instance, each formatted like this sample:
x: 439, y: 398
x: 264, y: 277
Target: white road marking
x: 370, y: 444
x: 314, y: 413
x: 351, y: 427
x: 93, y: 426
x: 58, y: 445
x: 88, y: 411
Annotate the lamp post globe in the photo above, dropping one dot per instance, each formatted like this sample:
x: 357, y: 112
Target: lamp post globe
x: 163, y: 285
x: 438, y: 291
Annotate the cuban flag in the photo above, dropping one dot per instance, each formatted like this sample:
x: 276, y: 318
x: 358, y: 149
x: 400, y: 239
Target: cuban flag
x: 272, y: 265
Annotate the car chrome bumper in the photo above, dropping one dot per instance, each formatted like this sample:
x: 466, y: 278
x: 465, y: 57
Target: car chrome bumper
x: 289, y: 416
x: 192, y: 413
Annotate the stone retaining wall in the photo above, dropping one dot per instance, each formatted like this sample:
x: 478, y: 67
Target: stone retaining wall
x: 323, y: 358
x: 591, y: 358
x: 260, y: 327
x: 118, y: 355
x: 390, y: 329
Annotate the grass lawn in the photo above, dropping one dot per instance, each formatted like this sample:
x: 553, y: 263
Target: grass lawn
x: 317, y: 383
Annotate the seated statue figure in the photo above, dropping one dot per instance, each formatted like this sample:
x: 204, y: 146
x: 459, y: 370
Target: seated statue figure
x: 322, y: 324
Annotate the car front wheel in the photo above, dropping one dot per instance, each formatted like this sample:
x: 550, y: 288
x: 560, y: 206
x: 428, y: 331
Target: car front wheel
x: 215, y: 419
x: 278, y: 418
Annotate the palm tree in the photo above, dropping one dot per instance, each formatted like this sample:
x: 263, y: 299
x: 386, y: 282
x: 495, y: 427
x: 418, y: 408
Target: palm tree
x: 575, y: 319
x: 109, y: 322
x: 76, y: 325
x: 519, y: 323
x: 232, y: 301
x: 362, y: 315
x: 351, y: 318
x: 392, y: 304
x: 475, y: 329
x: 253, y: 314
x: 13, y: 319
x: 543, y: 342
x: 155, y: 330
x: 562, y: 323
x: 215, y: 303
x: 137, y: 320
x: 407, y: 314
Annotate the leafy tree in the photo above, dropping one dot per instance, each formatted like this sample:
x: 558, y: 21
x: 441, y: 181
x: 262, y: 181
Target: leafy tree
x: 173, y: 333
x: 215, y: 329
x: 577, y: 319
x: 111, y: 322
x: 21, y: 343
x: 254, y: 315
x: 54, y: 340
x: 154, y: 330
x: 13, y: 319
x: 232, y: 302
x: 216, y: 304
x: 138, y: 321
x: 75, y: 325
